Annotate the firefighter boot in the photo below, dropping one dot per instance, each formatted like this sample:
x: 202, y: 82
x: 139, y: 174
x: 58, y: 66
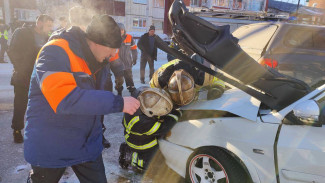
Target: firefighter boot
x: 125, y: 156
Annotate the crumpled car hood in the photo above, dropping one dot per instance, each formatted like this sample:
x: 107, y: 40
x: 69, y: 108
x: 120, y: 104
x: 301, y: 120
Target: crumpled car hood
x: 234, y: 101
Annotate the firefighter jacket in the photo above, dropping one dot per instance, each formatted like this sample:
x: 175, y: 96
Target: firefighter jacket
x: 22, y: 52
x: 66, y: 103
x: 126, y: 56
x: 144, y: 46
x: 142, y: 132
x: 161, y: 77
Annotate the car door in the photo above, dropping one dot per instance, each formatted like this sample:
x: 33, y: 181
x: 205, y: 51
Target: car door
x: 301, y: 151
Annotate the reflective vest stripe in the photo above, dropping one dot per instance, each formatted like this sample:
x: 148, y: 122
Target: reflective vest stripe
x: 140, y: 163
x: 5, y: 34
x: 173, y: 116
x: 134, y: 158
x: 132, y: 122
x: 143, y: 147
x: 153, y: 129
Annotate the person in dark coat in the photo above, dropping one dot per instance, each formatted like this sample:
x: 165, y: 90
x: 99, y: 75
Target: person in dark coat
x: 148, y: 49
x: 66, y: 102
x: 122, y: 62
x: 24, y: 47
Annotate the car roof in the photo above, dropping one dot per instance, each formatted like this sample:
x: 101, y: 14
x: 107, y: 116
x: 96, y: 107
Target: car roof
x: 288, y: 24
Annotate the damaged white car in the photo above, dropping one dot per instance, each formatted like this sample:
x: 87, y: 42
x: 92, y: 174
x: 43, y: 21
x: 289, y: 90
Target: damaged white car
x: 269, y: 128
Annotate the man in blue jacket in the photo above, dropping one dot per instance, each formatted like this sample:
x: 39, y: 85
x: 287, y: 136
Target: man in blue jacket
x: 66, y: 102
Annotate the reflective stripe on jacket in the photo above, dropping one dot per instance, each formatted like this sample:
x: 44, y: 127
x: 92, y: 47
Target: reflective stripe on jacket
x: 65, y: 105
x: 142, y: 132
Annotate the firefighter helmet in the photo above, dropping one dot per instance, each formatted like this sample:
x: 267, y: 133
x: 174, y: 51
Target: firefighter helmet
x: 181, y: 87
x: 155, y: 102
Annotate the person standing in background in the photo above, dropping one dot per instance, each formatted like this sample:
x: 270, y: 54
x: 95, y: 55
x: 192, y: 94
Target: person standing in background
x: 127, y: 55
x: 23, y: 49
x: 148, y: 53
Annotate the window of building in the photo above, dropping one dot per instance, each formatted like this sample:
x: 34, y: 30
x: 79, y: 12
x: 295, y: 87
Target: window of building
x: 159, y: 4
x: 139, y: 22
x: 140, y: 1
x: 158, y: 24
x: 194, y: 2
x: 25, y: 14
x: 221, y: 3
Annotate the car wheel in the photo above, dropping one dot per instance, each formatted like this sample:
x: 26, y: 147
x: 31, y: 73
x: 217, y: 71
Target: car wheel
x: 207, y: 165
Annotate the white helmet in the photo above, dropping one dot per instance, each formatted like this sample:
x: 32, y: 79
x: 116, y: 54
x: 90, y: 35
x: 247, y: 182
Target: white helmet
x: 155, y: 102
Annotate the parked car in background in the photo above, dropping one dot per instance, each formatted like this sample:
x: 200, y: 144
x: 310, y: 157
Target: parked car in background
x: 293, y: 49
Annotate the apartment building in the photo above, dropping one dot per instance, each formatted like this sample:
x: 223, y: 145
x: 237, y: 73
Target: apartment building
x: 18, y: 10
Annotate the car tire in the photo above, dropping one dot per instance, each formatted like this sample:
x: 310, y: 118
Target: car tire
x: 211, y: 164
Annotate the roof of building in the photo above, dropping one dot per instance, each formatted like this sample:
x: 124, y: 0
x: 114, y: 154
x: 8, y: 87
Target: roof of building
x: 292, y: 8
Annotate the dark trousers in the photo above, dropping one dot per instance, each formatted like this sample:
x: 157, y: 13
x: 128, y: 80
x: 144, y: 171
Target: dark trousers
x: 129, y: 79
x: 4, y: 48
x: 89, y: 172
x: 109, y: 83
x: 20, y: 105
x: 143, y: 63
x: 119, y: 80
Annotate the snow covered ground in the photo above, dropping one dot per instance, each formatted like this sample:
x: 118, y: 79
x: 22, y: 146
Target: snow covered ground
x: 14, y: 169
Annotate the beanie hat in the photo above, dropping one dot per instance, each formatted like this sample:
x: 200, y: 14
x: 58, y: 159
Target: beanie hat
x: 104, y: 30
x: 152, y: 27
x: 121, y: 26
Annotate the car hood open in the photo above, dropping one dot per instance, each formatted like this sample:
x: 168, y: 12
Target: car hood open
x: 234, y: 101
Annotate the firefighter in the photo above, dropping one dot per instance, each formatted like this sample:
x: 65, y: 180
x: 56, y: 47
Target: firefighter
x: 142, y: 129
x: 179, y: 73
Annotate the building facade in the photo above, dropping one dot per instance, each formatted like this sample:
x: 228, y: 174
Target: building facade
x: 317, y: 4
x: 18, y: 10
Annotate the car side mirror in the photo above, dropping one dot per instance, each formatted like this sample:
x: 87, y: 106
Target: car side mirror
x: 305, y: 113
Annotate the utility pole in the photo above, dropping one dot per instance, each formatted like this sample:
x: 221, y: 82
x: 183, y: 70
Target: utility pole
x: 298, y: 8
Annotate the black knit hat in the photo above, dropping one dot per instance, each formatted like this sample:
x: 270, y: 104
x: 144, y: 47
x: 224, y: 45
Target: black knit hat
x: 152, y: 27
x: 104, y: 30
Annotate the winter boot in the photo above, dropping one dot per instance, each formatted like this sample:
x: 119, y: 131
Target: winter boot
x: 125, y: 156
x: 18, y: 137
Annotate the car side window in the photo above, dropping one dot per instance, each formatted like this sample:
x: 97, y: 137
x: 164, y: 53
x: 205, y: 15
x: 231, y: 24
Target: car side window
x: 299, y: 38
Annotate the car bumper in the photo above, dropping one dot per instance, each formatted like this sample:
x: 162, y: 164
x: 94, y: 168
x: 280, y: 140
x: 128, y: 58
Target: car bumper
x: 175, y: 156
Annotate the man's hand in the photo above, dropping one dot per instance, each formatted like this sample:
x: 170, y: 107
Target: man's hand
x: 134, y: 62
x: 130, y: 105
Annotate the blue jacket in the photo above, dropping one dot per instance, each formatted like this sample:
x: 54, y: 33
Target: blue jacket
x: 65, y: 104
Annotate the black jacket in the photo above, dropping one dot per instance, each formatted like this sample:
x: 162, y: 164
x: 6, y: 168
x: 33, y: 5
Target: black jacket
x: 144, y: 46
x: 22, y: 53
x: 141, y: 130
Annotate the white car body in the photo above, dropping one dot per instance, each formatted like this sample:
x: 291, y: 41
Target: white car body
x: 299, y: 155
